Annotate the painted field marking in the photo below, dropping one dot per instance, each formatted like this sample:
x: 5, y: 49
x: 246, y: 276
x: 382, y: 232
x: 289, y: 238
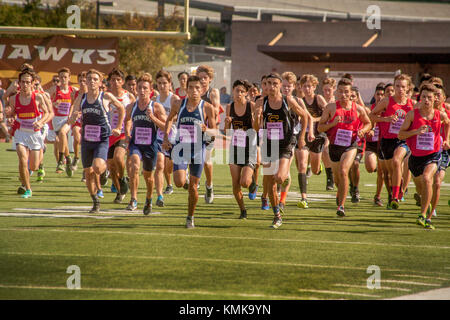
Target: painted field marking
x: 365, y: 287
x: 287, y: 264
x: 412, y: 283
x: 81, y: 210
x: 19, y: 214
x: 340, y: 293
x: 422, y: 277
x: 189, y: 292
x: 225, y: 237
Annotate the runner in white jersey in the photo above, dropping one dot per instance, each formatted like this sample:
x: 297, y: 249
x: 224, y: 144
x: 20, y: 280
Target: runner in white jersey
x: 164, y: 164
x: 117, y: 145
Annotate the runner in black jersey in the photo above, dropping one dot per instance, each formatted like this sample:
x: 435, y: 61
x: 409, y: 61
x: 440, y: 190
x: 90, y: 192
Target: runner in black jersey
x: 239, y: 118
x: 274, y: 113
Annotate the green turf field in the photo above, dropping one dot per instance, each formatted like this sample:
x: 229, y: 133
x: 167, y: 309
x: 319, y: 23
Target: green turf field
x: 122, y: 255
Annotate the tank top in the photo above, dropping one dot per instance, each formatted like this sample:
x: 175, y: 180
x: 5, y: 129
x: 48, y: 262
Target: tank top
x: 345, y: 132
x: 63, y: 102
x: 167, y: 103
x: 376, y: 129
x: 429, y: 142
x: 144, y: 130
x: 390, y: 130
x: 188, y: 123
x: 447, y: 111
x: 167, y: 106
x: 206, y: 97
x: 125, y: 100
x: 279, y: 124
x: 315, y: 111
x: 240, y: 125
x: 177, y: 92
x: 27, y: 114
x: 95, y: 120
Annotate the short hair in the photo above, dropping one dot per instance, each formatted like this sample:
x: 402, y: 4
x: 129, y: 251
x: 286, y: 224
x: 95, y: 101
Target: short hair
x: 206, y: 69
x: 66, y: 70
x: 29, y: 72
x: 243, y: 83
x: 263, y: 77
x: 330, y: 81
x: 274, y: 75
x: 25, y: 66
x: 345, y: 82
x: 181, y: 73
x: 94, y: 71
x: 289, y: 77
x: 427, y: 87
x: 164, y: 74
x: 82, y: 74
x: 192, y: 78
x: 348, y: 76
x: 256, y: 85
x: 404, y: 77
x: 388, y: 85
x: 130, y: 77
x: 436, y: 80
x: 116, y: 72
x: 309, y: 77
x: 425, y: 77
x: 380, y: 87
x: 145, y: 77
x: 38, y: 78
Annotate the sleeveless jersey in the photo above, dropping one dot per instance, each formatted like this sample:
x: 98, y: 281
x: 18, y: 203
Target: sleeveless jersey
x: 27, y: 114
x: 390, y: 130
x: 315, y: 111
x: 63, y: 102
x: 279, y: 124
x: 188, y: 123
x: 177, y: 92
x: 206, y: 97
x: 345, y: 132
x: 95, y: 120
x: 428, y: 142
x: 240, y: 125
x: 144, y: 130
x: 376, y: 129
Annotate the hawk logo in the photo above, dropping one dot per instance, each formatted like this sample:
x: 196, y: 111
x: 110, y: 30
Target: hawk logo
x: 273, y: 118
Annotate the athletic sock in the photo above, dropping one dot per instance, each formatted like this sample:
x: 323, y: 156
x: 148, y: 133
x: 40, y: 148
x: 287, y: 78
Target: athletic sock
x: 283, y: 195
x: 302, y: 182
x: 276, y: 210
x: 61, y: 157
x: 329, y: 173
x: 395, y: 192
x: 41, y: 166
x: 94, y: 197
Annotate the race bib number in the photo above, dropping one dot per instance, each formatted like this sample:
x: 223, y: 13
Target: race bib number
x: 275, y: 130
x: 425, y: 141
x: 188, y: 133
x: 27, y: 125
x: 92, y: 133
x: 63, y: 108
x: 343, y: 137
x: 376, y: 134
x: 239, y: 138
x: 143, y: 135
x: 394, y: 128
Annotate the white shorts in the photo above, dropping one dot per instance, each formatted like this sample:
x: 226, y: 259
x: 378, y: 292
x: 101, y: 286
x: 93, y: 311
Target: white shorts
x: 271, y: 168
x: 31, y: 140
x: 58, y: 122
x: 51, y: 135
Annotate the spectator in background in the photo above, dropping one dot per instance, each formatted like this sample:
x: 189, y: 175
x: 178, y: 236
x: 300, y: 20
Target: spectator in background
x: 224, y: 96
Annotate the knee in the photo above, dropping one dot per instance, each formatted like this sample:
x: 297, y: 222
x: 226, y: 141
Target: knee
x: 178, y: 183
x: 245, y: 183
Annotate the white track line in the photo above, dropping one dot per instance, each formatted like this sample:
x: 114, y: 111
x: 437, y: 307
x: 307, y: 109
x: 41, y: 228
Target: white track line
x: 340, y: 293
x: 188, y: 292
x: 288, y: 264
x: 228, y: 238
x: 365, y: 287
x: 412, y: 283
x: 423, y: 277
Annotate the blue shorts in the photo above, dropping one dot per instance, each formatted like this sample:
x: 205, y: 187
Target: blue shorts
x: 195, y: 161
x: 161, y: 150
x: 146, y: 154
x: 92, y: 150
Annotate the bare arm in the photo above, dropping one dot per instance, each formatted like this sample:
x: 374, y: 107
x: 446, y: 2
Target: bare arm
x: 299, y: 111
x: 404, y: 132
x: 158, y: 116
x: 120, y: 109
x: 76, y: 110
x: 326, y: 116
x: 379, y: 108
x: 364, y: 118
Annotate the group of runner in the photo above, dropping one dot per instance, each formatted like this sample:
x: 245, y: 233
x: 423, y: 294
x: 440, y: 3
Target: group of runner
x: 119, y: 122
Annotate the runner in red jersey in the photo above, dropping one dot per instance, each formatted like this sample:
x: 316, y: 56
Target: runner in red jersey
x: 328, y: 90
x: 421, y: 130
x: 31, y: 112
x: 371, y: 160
x: 440, y: 175
x: 62, y: 98
x: 341, y: 121
x: 390, y: 114
x: 181, y: 90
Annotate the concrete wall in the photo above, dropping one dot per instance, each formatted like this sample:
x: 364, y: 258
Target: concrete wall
x: 250, y: 64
